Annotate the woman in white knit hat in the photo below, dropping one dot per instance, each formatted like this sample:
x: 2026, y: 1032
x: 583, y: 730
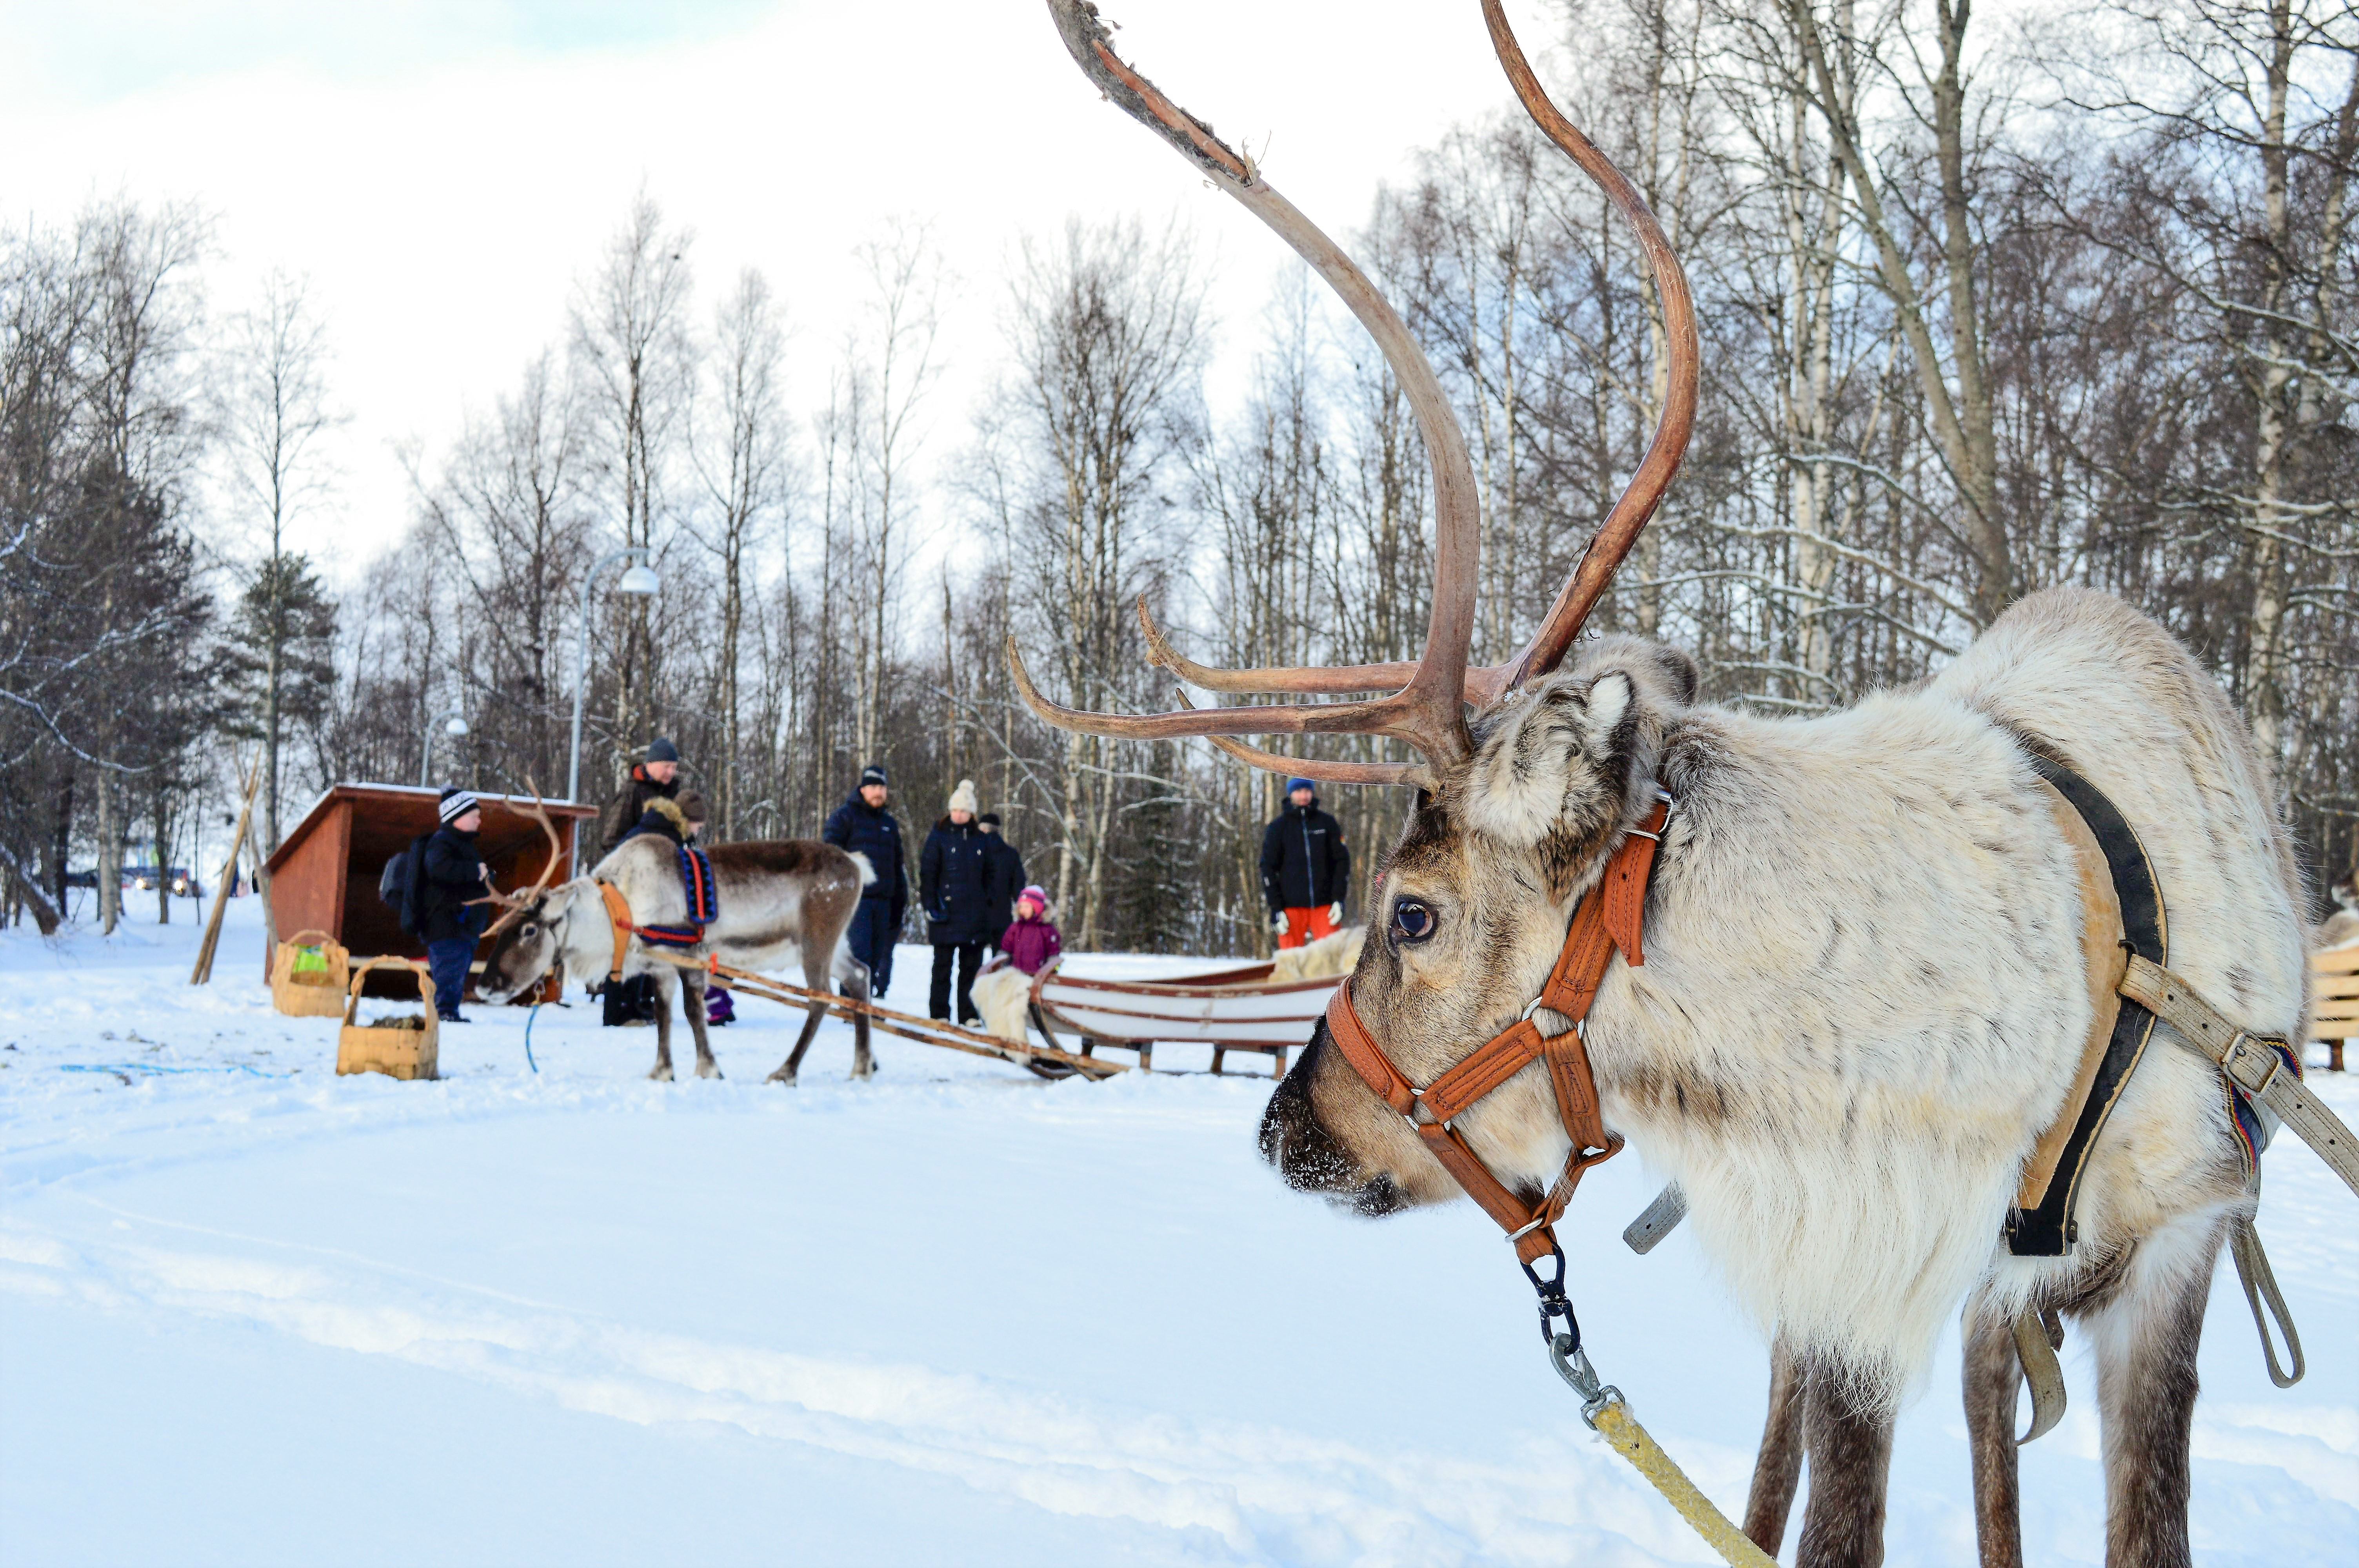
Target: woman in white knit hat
x: 954, y: 884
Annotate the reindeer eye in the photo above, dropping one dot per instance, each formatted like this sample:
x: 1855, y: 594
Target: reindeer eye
x: 530, y: 929
x: 1413, y: 921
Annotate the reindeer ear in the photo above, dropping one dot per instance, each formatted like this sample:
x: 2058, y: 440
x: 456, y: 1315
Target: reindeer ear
x: 1547, y: 757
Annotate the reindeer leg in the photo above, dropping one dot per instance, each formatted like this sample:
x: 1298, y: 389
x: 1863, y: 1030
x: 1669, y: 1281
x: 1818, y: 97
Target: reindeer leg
x: 815, y: 978
x: 691, y: 1003
x: 1993, y: 1378
x: 863, y: 1064
x: 1850, y: 1465
x: 2144, y: 1338
x: 1777, y: 1470
x: 662, y: 1073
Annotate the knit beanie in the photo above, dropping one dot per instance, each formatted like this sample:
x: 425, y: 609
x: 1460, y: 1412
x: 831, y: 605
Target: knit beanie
x: 962, y: 797
x: 456, y: 804
x: 1293, y: 784
x: 1036, y: 894
x: 874, y: 774
x: 662, y: 750
x: 988, y: 819
x: 692, y: 805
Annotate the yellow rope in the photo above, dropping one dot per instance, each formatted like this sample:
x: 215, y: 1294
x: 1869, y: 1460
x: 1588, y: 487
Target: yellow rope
x: 1621, y: 1428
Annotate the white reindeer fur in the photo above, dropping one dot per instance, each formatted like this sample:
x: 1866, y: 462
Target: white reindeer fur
x: 1333, y: 955
x: 758, y: 926
x: 1002, y: 996
x: 1863, y: 998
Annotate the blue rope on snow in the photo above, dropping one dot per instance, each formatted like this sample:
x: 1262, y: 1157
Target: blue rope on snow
x: 528, y: 1037
x: 153, y: 1067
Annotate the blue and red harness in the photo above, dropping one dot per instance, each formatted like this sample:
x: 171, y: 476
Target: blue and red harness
x: 703, y: 897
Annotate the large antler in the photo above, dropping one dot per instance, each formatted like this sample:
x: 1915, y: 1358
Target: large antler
x: 514, y: 904
x: 1424, y: 708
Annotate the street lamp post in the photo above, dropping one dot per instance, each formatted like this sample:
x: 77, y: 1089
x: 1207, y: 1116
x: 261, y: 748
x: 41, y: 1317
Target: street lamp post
x: 454, y: 724
x: 640, y: 582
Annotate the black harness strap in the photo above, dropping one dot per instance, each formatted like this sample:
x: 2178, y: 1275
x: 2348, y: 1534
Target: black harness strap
x: 2048, y: 1232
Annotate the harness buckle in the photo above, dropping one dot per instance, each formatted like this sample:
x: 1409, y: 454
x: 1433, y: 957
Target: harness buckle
x: 2242, y: 1048
x: 1670, y: 806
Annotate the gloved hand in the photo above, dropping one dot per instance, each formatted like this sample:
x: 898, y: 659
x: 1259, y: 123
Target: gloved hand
x: 1335, y: 913
x: 1277, y: 923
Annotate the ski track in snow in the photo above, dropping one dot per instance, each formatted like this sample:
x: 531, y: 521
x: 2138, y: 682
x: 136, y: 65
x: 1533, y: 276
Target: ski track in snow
x: 123, y: 1203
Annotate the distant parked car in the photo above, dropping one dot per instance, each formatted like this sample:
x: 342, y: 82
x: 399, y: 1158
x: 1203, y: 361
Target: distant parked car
x: 142, y: 878
x: 82, y: 879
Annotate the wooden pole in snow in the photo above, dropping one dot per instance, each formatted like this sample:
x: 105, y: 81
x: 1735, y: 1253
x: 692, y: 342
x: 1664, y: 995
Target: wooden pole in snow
x: 204, y: 973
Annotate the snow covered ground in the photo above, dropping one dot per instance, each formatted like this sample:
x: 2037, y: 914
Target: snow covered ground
x: 251, y: 1313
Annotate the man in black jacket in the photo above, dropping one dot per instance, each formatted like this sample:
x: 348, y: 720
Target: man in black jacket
x: 452, y: 875
x: 657, y: 778
x: 862, y: 826
x: 1306, y: 869
x: 1005, y: 878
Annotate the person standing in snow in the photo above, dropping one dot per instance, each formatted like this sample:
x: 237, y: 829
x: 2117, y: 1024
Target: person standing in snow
x: 954, y: 885
x: 1030, y: 941
x: 862, y: 826
x: 1306, y: 869
x: 1007, y: 879
x: 452, y: 876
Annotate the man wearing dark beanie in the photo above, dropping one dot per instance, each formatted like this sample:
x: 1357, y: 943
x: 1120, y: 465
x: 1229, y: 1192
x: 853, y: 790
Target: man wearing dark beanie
x: 862, y: 826
x: 449, y: 922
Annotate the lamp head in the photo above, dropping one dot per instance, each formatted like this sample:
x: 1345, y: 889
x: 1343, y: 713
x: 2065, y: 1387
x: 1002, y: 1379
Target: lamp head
x: 640, y: 581
x: 455, y: 726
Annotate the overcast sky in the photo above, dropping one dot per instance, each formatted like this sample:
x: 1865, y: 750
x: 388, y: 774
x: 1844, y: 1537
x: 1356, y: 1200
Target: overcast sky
x: 442, y: 172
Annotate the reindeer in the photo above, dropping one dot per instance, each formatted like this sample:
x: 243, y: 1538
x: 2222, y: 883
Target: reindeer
x: 1867, y: 979
x: 779, y: 899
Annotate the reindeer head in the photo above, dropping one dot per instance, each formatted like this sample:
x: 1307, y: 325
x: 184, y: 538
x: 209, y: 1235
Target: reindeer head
x: 1476, y: 895
x: 532, y: 943
x: 1516, y: 811
x: 522, y: 936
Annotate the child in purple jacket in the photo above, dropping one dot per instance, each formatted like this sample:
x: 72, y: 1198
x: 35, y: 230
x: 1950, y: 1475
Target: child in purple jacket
x: 1030, y: 942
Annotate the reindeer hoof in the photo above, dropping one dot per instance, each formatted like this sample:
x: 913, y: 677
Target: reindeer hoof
x: 781, y: 1077
x: 708, y: 1069
x: 662, y: 1073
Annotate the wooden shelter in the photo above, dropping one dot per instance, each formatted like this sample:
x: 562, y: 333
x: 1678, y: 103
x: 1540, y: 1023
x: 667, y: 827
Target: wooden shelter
x: 324, y: 876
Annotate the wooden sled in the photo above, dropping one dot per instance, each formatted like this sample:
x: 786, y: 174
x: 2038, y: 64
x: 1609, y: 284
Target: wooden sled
x: 1229, y: 1010
x: 906, y: 1025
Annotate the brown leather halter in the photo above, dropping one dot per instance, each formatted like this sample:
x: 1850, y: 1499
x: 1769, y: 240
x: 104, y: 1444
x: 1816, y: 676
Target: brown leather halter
x: 1609, y: 917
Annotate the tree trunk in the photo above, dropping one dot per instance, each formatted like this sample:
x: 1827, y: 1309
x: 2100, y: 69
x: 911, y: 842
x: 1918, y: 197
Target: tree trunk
x: 110, y: 856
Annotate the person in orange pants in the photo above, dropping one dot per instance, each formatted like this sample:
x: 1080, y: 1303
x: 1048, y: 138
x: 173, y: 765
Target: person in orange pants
x: 1306, y: 869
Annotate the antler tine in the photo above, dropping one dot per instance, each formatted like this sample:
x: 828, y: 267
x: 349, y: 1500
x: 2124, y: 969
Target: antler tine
x: 1414, y: 775
x: 1426, y: 709
x: 1631, y: 513
x: 518, y: 902
x: 1324, y: 679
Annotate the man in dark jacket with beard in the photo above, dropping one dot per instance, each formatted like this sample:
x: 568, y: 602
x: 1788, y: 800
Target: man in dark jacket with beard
x: 1306, y: 869
x: 864, y: 827
x: 452, y: 874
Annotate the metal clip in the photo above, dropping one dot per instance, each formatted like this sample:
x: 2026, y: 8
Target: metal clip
x: 1571, y: 1364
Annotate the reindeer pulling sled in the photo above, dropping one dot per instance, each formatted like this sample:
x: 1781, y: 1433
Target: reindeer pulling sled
x: 1904, y: 1008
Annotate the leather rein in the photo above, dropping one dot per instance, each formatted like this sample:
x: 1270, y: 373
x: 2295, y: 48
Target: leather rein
x: 1608, y: 919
